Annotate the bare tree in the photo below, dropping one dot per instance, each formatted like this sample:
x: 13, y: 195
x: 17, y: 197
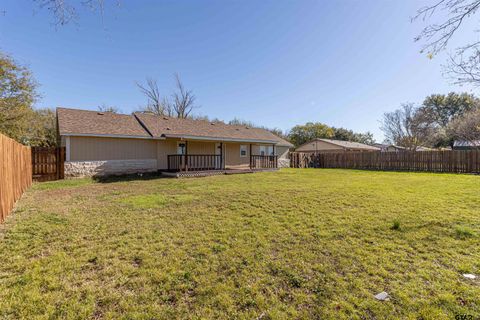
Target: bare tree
x: 463, y: 66
x: 406, y: 127
x: 183, y: 99
x: 181, y: 104
x: 467, y: 127
x: 156, y: 104
x: 65, y: 12
x: 106, y: 108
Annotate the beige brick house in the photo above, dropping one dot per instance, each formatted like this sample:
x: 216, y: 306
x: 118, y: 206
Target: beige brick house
x: 99, y: 143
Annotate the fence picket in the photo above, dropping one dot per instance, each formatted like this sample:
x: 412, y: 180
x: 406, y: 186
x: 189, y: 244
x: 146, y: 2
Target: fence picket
x: 15, y: 173
x: 459, y: 161
x: 48, y: 163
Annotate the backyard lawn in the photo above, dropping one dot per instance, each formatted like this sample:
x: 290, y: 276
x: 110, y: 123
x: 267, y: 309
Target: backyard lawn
x: 293, y: 244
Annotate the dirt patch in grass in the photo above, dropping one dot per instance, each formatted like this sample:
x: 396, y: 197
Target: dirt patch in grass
x: 150, y: 201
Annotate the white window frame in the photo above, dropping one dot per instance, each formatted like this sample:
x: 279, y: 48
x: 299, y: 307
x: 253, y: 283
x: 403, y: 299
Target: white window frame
x: 243, y: 148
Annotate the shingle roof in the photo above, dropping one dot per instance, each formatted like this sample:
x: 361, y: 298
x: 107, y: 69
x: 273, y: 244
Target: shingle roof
x: 174, y: 127
x: 142, y: 125
x: 463, y: 143
x: 84, y: 122
x: 350, y: 144
x: 346, y: 144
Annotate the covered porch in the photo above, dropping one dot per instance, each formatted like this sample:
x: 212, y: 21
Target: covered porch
x: 202, y: 156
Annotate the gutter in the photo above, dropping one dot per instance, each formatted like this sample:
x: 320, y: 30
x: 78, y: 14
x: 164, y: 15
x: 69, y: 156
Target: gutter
x: 109, y: 136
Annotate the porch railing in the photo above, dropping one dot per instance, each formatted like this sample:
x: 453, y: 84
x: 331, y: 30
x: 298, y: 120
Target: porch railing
x: 263, y: 162
x: 195, y: 162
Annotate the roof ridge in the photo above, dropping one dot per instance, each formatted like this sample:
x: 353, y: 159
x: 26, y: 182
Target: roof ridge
x: 142, y: 124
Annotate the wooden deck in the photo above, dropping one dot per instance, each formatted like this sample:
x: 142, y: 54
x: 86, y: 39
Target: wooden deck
x: 206, y: 173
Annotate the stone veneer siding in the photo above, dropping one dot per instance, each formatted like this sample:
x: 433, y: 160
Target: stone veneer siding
x: 109, y: 167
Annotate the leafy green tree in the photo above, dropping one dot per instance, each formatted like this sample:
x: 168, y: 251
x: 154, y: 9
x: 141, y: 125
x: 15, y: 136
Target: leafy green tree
x: 42, y: 129
x: 17, y: 95
x: 18, y: 119
x: 301, y: 134
x: 444, y: 108
x: 349, y: 135
x: 439, y: 110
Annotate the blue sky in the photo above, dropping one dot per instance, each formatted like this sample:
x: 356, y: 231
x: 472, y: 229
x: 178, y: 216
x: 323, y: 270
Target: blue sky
x: 276, y: 63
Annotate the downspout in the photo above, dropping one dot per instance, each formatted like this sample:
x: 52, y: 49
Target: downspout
x: 67, y: 148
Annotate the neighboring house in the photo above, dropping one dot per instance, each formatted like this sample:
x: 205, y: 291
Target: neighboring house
x: 329, y: 145
x: 394, y: 148
x: 99, y: 143
x: 388, y: 147
x: 466, y: 145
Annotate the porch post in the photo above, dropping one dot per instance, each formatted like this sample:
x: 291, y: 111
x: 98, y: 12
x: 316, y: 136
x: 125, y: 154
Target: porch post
x: 186, y: 155
x: 221, y: 155
x: 273, y: 156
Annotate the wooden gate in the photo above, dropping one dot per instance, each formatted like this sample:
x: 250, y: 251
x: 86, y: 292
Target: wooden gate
x: 48, y: 163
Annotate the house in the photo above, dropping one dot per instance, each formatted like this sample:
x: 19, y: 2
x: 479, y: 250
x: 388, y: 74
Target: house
x: 388, y: 147
x: 395, y: 148
x: 466, y: 145
x: 329, y: 145
x: 102, y: 143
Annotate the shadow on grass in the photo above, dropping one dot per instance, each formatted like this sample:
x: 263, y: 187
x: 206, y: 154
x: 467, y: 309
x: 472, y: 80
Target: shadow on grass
x: 130, y: 177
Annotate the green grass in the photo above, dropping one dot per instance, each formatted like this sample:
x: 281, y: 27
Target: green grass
x: 463, y: 232
x: 67, y: 183
x: 294, y: 244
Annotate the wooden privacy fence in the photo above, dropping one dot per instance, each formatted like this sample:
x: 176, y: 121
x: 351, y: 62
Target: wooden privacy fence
x: 48, y: 163
x: 457, y: 161
x: 15, y: 173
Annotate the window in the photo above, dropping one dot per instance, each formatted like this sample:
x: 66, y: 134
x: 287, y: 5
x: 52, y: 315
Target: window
x: 262, y: 150
x: 266, y: 150
x: 270, y: 150
x: 181, y: 148
x: 243, y: 150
